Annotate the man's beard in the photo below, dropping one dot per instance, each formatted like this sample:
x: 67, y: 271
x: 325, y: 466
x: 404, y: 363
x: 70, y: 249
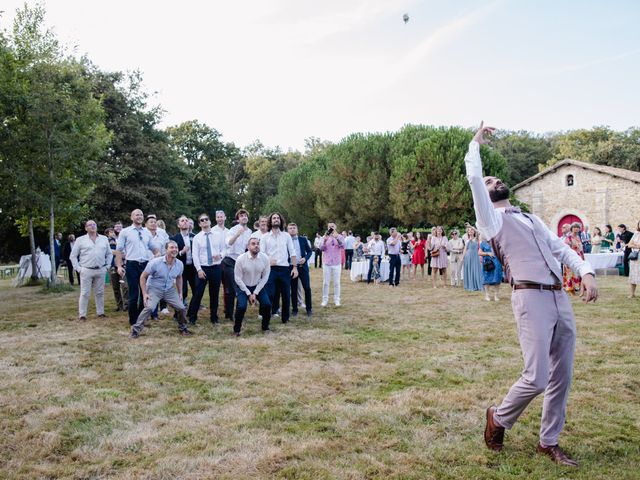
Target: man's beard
x: 499, y: 193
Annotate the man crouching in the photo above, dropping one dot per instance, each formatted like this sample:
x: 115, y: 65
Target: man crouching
x: 165, y: 283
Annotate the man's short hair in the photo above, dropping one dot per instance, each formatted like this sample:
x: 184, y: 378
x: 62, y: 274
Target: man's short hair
x: 240, y: 212
x: 291, y: 224
x: 166, y: 245
x: 622, y: 225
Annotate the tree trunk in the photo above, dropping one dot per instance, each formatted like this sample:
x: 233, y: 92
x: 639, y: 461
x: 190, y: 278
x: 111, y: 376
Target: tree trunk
x: 32, y: 245
x: 52, y: 247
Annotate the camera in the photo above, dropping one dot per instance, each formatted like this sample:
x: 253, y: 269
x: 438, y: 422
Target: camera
x: 329, y: 232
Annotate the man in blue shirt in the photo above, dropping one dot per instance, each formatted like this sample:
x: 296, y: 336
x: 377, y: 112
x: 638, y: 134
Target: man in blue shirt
x: 134, y: 246
x: 164, y: 276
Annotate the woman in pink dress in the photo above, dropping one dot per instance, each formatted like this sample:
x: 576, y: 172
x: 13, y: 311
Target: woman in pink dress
x: 439, y: 260
x: 571, y: 281
x: 418, y: 244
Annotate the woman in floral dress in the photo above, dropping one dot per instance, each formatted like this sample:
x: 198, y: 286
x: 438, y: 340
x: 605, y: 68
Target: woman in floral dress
x: 571, y: 281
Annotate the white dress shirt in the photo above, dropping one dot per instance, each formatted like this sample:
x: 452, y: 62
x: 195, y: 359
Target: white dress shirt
x: 216, y: 241
x: 489, y: 219
x: 240, y: 245
x: 376, y: 247
x: 187, y: 241
x: 278, y: 247
x: 250, y: 271
x: 89, y: 254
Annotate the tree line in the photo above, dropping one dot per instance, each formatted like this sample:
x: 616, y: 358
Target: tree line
x: 78, y: 142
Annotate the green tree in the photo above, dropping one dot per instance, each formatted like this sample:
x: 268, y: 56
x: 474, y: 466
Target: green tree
x: 523, y: 151
x: 429, y: 185
x: 140, y: 169
x: 57, y: 131
x: 600, y: 145
x: 211, y: 164
x: 353, y: 189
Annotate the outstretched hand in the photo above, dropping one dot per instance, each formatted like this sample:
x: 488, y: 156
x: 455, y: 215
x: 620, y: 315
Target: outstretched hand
x: 482, y: 131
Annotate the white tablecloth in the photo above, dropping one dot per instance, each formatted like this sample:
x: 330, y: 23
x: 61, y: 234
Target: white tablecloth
x: 603, y: 260
x: 361, y: 269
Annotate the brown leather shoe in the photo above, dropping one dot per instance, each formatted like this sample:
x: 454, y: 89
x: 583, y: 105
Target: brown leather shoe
x: 557, y: 455
x: 493, y: 434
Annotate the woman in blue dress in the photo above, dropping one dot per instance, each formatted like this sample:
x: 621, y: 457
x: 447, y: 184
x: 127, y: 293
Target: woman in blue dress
x: 471, y: 266
x: 492, y: 276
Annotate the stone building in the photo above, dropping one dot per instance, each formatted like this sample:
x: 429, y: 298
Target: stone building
x: 594, y: 195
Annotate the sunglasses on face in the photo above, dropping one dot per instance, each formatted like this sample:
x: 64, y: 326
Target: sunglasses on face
x: 204, y: 219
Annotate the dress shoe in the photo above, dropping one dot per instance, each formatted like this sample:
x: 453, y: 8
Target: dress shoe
x: 236, y: 334
x: 493, y: 434
x: 83, y: 318
x: 309, y: 314
x: 102, y: 315
x: 294, y: 314
x: 134, y: 335
x: 556, y: 454
x: 186, y: 333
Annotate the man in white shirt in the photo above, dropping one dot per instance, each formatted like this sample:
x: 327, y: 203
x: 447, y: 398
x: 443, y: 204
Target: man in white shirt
x: 91, y: 256
x: 349, y: 242
x: 208, y: 250
x: 530, y: 253
x: 278, y: 246
x: 251, y: 273
x: 236, y: 239
x: 376, y: 249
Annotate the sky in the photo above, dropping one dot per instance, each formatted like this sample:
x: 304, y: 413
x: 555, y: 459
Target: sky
x: 284, y: 70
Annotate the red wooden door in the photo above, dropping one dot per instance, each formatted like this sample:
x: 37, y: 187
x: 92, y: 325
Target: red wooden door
x: 568, y: 219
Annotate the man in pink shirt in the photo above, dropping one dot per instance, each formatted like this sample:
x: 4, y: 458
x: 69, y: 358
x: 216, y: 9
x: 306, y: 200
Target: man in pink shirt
x: 332, y: 246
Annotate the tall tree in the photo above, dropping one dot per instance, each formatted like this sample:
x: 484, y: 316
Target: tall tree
x: 430, y: 185
x: 354, y: 188
x: 211, y: 164
x: 58, y: 131
x: 139, y: 169
x: 523, y: 151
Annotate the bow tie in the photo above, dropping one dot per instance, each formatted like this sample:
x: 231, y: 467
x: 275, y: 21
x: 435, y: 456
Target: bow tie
x: 512, y: 210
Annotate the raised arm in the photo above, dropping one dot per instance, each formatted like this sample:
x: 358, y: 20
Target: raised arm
x: 489, y: 221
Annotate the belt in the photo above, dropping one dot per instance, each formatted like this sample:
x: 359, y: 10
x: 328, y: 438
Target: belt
x: 136, y: 261
x: 535, y: 286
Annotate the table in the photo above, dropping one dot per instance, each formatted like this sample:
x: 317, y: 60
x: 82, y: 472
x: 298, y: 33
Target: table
x: 361, y: 269
x: 604, y: 260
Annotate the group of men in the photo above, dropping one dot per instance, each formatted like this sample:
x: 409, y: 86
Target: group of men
x: 150, y: 270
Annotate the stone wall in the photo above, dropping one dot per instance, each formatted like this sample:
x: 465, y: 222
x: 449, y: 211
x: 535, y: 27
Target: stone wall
x: 597, y: 198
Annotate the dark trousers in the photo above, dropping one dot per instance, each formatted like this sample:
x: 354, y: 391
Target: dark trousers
x: 228, y: 276
x: 348, y: 258
x: 371, y: 266
x: 303, y: 275
x: 133, y: 271
x: 70, y: 270
x: 395, y: 265
x: 243, y: 302
x: 429, y: 262
x: 280, y: 284
x: 188, y: 281
x: 625, y: 261
x: 213, y: 279
x: 317, y: 262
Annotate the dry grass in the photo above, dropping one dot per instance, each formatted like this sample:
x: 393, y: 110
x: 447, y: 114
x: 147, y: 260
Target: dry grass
x: 391, y: 385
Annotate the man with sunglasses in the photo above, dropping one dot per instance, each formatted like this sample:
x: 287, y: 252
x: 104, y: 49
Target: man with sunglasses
x: 134, y: 247
x: 208, y: 251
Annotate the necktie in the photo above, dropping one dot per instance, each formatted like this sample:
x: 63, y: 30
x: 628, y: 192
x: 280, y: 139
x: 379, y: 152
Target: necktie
x: 209, y: 255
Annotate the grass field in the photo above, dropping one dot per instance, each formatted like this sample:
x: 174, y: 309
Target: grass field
x: 392, y: 385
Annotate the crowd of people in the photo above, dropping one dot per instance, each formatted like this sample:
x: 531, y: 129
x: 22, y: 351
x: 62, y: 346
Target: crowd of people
x: 274, y: 269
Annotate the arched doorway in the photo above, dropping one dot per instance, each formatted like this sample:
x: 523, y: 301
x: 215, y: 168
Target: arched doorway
x: 568, y: 219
